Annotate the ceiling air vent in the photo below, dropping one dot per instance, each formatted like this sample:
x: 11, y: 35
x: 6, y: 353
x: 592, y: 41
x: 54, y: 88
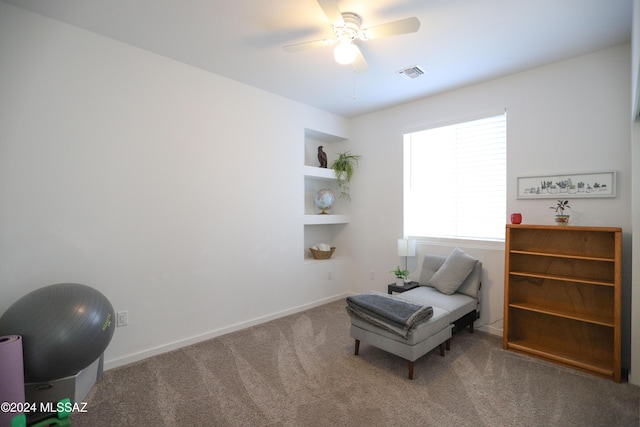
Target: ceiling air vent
x: 411, y: 72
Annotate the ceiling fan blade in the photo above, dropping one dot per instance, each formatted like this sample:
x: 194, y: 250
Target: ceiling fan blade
x: 403, y: 26
x: 297, y: 47
x: 360, y: 64
x: 331, y: 9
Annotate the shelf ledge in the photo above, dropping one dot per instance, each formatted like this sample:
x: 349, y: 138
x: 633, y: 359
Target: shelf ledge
x: 596, y: 320
x: 319, y: 173
x: 554, y: 255
x: 561, y: 278
x: 579, y: 361
x: 325, y: 219
x: 314, y: 261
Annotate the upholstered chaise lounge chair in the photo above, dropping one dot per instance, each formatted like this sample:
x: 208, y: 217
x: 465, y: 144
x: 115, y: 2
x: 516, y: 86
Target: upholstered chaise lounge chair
x: 451, y: 286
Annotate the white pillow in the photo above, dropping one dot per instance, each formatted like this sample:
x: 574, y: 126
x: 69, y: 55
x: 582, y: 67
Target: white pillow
x: 453, y: 272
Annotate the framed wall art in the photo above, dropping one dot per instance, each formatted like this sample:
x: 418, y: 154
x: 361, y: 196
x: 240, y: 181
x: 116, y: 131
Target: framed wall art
x: 575, y: 185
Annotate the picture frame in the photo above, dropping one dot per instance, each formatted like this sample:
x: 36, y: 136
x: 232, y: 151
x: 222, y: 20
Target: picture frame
x: 573, y: 185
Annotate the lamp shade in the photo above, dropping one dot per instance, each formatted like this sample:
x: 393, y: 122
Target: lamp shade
x: 406, y: 247
x: 345, y: 53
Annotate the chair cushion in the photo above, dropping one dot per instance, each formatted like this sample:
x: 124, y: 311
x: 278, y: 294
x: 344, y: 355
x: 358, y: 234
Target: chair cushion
x: 457, y: 304
x: 430, y: 264
x: 455, y: 269
x: 471, y: 285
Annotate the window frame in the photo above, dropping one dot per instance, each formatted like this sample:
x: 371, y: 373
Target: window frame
x: 448, y: 240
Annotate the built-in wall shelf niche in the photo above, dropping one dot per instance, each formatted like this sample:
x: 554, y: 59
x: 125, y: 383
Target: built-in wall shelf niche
x: 322, y: 233
x: 321, y: 228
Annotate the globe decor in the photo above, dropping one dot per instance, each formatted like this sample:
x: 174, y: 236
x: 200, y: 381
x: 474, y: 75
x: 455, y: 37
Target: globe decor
x: 324, y: 200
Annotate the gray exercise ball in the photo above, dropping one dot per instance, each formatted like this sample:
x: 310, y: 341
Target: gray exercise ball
x: 64, y: 327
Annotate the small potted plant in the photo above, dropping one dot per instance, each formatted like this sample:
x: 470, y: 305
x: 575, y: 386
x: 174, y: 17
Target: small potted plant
x: 561, y: 218
x: 343, y: 167
x: 402, y: 276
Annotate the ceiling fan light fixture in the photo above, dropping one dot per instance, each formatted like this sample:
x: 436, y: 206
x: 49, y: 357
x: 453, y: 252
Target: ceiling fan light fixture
x: 345, y: 53
x: 347, y: 28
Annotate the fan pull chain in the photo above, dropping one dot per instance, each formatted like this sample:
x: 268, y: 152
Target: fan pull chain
x: 354, y: 85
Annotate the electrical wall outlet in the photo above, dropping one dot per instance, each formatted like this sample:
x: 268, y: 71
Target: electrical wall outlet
x: 372, y: 275
x: 122, y: 318
x: 329, y: 275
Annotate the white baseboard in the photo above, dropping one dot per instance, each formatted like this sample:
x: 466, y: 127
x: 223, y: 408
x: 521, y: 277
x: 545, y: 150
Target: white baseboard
x: 114, y: 363
x: 490, y: 329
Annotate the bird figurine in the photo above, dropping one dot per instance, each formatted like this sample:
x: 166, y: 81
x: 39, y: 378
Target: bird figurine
x: 322, y: 157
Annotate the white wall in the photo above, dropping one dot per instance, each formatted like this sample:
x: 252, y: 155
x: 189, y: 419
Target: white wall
x: 634, y: 374
x: 571, y: 116
x: 178, y: 193
x: 175, y: 192
x: 635, y: 60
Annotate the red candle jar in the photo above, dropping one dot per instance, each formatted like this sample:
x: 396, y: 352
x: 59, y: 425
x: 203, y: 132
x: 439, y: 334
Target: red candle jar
x: 516, y: 218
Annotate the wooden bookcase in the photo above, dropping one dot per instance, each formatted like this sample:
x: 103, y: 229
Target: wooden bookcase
x: 562, y: 295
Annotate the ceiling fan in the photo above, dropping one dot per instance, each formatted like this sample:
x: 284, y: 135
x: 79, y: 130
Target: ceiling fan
x: 346, y: 26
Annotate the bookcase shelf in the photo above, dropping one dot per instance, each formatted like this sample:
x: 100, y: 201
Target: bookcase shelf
x: 598, y: 320
x: 563, y: 297
x: 561, y: 278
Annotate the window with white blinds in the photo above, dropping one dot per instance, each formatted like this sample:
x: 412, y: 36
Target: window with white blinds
x: 455, y: 180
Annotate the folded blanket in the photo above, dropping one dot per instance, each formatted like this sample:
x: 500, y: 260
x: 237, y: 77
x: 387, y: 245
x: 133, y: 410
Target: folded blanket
x: 358, y: 314
x: 389, y: 309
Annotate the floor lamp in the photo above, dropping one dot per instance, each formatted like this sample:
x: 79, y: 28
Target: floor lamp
x: 406, y: 248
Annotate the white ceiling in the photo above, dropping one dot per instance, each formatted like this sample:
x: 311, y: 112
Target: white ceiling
x: 460, y: 42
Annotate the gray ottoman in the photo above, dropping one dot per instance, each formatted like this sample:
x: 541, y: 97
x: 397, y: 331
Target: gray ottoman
x: 424, y: 337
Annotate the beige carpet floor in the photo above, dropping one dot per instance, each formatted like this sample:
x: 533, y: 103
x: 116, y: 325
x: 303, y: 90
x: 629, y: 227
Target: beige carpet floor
x: 300, y: 371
